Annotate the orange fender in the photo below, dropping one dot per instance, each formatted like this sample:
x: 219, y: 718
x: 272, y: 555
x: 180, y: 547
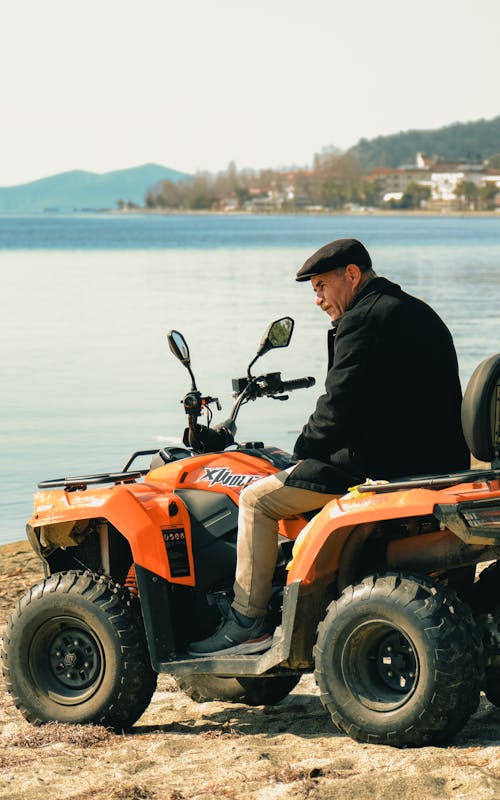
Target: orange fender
x: 318, y: 548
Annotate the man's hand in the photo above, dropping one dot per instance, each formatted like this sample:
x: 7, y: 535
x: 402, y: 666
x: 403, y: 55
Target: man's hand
x: 206, y: 440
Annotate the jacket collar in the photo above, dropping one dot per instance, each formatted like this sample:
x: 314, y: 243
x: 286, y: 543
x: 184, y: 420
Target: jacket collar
x: 374, y: 285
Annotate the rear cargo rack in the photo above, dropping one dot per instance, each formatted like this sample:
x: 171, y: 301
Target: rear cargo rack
x: 81, y: 482
x: 432, y: 481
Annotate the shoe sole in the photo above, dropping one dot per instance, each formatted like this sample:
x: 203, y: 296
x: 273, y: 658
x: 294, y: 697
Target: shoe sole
x: 253, y: 646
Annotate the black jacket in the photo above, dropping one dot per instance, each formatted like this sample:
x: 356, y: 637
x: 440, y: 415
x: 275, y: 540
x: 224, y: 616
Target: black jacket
x: 392, y: 402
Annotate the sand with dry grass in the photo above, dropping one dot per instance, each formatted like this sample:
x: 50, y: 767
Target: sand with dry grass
x: 181, y: 750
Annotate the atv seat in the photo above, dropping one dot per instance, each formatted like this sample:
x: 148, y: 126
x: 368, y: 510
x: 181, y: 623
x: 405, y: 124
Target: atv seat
x: 481, y: 411
x: 481, y: 428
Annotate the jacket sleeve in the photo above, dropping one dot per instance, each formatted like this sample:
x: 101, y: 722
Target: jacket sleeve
x: 332, y: 425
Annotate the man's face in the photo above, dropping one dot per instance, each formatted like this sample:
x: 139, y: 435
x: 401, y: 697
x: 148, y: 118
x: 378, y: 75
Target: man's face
x: 335, y: 290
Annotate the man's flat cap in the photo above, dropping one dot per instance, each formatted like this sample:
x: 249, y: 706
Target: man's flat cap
x: 334, y: 255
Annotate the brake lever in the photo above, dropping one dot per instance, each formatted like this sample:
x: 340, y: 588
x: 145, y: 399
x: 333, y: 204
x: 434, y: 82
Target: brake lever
x: 207, y: 400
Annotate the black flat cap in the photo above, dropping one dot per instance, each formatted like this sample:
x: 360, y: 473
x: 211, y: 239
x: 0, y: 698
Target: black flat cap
x: 334, y: 255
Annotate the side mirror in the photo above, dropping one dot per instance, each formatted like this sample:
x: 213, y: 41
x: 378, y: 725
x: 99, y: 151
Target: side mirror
x: 179, y: 348
x: 278, y: 334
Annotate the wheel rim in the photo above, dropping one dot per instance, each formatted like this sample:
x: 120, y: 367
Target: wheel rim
x: 380, y: 665
x: 66, y: 660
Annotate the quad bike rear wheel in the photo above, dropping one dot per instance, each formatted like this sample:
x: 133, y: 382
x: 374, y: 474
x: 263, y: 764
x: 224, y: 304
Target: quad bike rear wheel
x: 399, y: 661
x: 75, y: 651
x: 252, y: 691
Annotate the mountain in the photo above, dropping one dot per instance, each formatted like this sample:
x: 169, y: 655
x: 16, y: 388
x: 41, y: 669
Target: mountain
x: 78, y: 190
x: 461, y: 141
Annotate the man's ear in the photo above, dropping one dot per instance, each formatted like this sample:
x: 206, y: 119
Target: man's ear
x: 354, y: 274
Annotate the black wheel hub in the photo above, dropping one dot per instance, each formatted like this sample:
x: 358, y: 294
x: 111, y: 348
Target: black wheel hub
x: 66, y: 660
x: 396, y: 663
x: 74, y: 658
x: 380, y: 665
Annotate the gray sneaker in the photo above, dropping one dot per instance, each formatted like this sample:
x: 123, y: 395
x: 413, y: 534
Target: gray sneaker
x: 233, y: 639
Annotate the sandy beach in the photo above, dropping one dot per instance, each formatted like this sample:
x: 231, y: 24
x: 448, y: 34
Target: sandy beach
x: 182, y: 750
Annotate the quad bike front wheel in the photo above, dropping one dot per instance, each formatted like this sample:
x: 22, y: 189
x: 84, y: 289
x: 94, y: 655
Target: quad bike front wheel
x: 74, y: 651
x: 398, y: 661
x: 251, y: 691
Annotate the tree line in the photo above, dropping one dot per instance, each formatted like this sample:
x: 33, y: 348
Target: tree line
x: 334, y: 182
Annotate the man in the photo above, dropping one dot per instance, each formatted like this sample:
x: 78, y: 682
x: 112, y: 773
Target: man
x: 391, y: 409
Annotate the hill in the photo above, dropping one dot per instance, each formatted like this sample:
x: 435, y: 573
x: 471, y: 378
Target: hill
x: 469, y: 141
x: 79, y: 190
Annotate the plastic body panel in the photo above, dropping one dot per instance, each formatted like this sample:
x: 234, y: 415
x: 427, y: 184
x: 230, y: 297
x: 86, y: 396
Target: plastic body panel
x: 318, y: 553
x: 214, y: 529
x: 148, y: 513
x: 153, y: 517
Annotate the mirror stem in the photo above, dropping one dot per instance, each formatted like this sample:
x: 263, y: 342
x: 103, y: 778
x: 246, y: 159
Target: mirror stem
x: 193, y: 387
x: 249, y: 374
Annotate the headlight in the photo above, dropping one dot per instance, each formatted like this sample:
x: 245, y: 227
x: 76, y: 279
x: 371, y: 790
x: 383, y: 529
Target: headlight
x: 486, y: 518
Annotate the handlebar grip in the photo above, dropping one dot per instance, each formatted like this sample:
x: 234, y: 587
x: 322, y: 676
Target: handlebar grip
x: 297, y: 383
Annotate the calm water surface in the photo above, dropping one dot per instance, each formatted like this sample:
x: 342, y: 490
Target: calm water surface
x: 86, y: 373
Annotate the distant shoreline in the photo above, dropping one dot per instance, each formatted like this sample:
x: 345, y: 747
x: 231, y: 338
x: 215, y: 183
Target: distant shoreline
x: 378, y: 212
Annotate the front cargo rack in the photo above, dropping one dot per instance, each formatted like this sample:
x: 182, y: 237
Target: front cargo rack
x: 80, y: 482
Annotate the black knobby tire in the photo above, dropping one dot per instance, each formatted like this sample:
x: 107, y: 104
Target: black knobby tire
x: 251, y: 691
x: 75, y: 651
x: 398, y: 661
x: 486, y: 607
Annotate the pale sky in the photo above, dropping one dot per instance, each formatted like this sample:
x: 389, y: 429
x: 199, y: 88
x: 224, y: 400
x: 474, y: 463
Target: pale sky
x: 194, y: 84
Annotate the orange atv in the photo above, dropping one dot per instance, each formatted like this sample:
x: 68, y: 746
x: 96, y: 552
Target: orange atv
x: 379, y: 597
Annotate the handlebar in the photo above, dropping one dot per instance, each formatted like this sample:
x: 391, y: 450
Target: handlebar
x: 271, y: 385
x: 194, y: 402
x: 204, y: 439
x: 297, y: 383
x: 268, y: 385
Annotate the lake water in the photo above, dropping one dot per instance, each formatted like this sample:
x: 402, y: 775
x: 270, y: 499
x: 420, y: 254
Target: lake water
x: 86, y: 373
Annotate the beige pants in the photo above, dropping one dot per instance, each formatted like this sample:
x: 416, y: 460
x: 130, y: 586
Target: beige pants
x: 262, y: 505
